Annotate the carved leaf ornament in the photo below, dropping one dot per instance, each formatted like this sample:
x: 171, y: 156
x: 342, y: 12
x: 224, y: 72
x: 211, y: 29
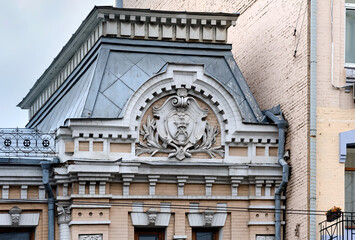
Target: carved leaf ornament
x: 179, y: 129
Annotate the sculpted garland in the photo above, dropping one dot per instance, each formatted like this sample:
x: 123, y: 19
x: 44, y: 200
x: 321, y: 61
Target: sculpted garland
x: 179, y: 129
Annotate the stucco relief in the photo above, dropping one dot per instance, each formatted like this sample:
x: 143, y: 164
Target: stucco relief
x: 15, y: 214
x: 265, y: 238
x: 63, y: 214
x: 208, y: 217
x: 90, y: 237
x: 179, y: 128
x: 152, y: 216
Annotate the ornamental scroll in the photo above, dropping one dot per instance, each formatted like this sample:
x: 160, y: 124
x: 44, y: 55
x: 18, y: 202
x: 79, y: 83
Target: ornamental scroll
x: 179, y: 128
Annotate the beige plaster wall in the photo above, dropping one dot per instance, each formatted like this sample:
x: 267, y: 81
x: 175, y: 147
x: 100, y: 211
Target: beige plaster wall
x: 335, y: 108
x: 236, y: 226
x: 330, y: 172
x: 263, y: 46
x: 120, y: 227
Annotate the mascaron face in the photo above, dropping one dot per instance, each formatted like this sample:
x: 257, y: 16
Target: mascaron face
x: 152, y: 217
x: 208, y: 218
x: 15, y: 219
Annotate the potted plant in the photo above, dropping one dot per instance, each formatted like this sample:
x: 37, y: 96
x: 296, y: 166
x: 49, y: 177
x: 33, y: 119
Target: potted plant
x: 333, y: 213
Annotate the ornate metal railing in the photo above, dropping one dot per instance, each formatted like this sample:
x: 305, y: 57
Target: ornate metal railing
x: 25, y: 142
x: 342, y: 228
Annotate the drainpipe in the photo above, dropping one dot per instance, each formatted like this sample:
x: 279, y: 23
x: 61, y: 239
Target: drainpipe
x: 46, y: 165
x: 119, y: 3
x: 281, y: 124
x: 313, y: 123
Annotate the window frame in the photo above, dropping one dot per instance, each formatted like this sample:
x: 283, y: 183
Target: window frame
x: 31, y: 230
x: 348, y: 169
x: 215, y: 231
x: 348, y: 6
x: 159, y: 231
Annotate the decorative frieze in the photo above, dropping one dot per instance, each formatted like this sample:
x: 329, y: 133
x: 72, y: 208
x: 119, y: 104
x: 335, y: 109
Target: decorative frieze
x: 265, y: 237
x: 90, y: 237
x: 171, y: 26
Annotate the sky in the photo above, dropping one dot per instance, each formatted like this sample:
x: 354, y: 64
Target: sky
x: 32, y: 32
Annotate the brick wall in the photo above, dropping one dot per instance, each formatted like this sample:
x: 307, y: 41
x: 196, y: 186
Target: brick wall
x: 263, y: 46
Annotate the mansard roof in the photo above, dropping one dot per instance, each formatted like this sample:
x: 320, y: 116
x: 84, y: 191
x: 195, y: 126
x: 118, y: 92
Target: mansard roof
x: 99, y: 83
x: 147, y: 24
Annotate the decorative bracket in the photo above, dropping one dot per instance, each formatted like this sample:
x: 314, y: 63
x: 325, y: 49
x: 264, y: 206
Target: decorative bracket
x: 152, y: 216
x: 15, y: 214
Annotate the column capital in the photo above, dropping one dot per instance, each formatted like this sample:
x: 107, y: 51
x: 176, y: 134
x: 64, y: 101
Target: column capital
x: 64, y: 214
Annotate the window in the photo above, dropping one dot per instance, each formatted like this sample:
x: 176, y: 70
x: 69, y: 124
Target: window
x: 205, y: 234
x: 350, y: 33
x: 149, y: 234
x: 17, y: 233
x: 350, y: 179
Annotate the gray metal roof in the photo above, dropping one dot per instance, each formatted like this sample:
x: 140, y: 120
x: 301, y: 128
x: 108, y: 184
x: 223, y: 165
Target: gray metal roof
x: 101, y: 14
x: 115, y: 69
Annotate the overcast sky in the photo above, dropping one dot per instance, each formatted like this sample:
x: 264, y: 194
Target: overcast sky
x: 32, y: 32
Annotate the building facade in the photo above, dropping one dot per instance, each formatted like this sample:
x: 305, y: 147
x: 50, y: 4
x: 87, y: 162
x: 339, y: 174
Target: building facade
x: 282, y: 48
x: 143, y: 127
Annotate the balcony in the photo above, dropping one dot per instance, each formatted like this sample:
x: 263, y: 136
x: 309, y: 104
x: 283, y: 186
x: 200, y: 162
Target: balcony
x: 342, y: 228
x: 26, y: 143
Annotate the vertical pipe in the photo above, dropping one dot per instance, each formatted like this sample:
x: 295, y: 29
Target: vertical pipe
x: 119, y: 3
x: 283, y: 184
x: 45, y: 178
x: 281, y: 124
x: 313, y: 123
